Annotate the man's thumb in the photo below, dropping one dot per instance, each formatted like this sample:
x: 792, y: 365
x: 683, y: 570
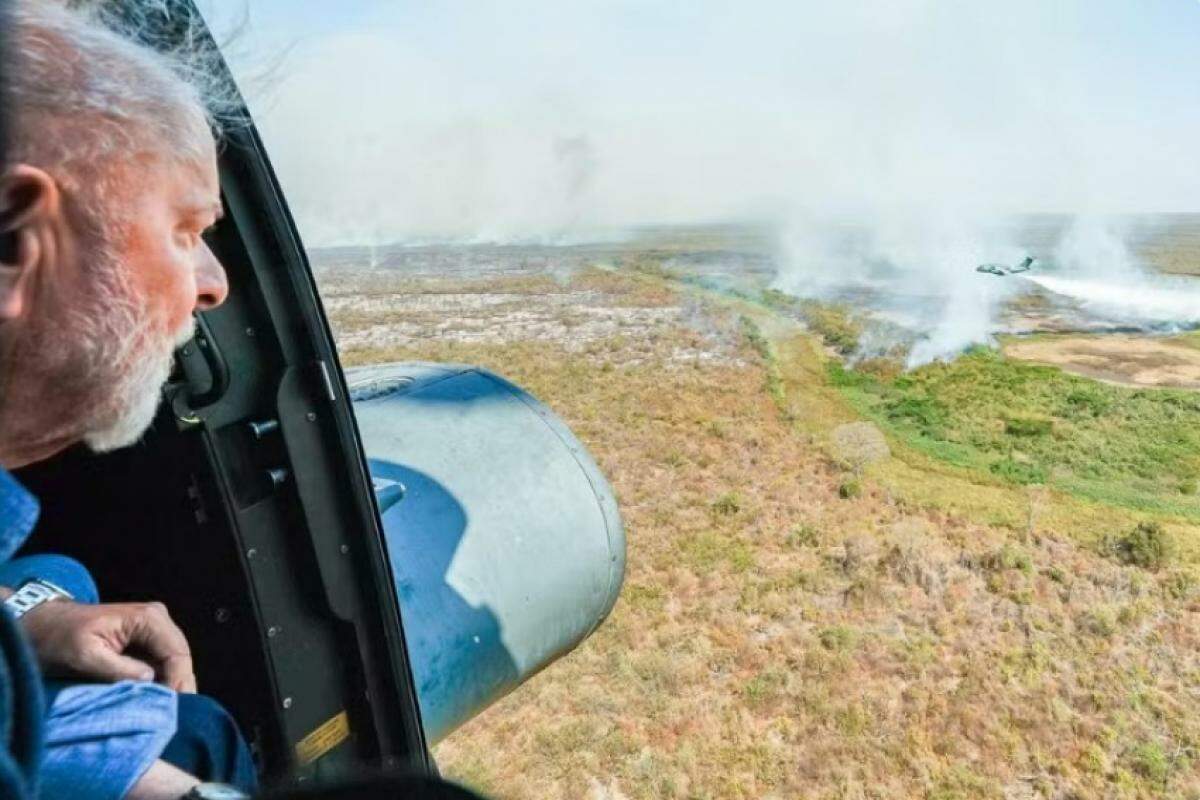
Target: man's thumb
x: 103, y: 664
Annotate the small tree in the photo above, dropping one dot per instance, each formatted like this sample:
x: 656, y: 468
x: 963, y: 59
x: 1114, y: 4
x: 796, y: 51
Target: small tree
x: 857, y: 445
x: 1148, y: 546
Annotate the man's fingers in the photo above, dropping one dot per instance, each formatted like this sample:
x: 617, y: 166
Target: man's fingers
x: 153, y: 632
x: 177, y: 673
x: 104, y: 664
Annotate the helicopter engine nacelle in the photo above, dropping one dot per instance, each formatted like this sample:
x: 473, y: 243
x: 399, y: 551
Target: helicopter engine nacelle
x: 506, y: 546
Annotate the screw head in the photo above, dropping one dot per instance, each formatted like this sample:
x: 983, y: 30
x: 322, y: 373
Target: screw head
x: 252, y: 552
x: 249, y: 331
x: 311, y: 416
x: 287, y: 702
x: 222, y: 615
x: 272, y: 631
x: 345, y: 549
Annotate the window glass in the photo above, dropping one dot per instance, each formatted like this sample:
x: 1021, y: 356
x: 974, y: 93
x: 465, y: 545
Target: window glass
x: 880, y: 317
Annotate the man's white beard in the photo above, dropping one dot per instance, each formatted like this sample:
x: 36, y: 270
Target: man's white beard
x: 128, y: 358
x: 138, y: 394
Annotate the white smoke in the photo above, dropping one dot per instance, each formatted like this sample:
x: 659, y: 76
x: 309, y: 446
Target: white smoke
x: 915, y: 272
x: 918, y: 273
x: 1097, y: 246
x: 541, y: 119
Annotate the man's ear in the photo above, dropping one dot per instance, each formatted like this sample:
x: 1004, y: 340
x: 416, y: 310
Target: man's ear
x: 29, y: 206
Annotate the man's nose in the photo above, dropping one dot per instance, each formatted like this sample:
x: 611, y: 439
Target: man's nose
x: 212, y: 286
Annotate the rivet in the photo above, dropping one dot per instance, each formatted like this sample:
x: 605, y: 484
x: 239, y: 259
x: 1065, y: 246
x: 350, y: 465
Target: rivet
x: 345, y: 549
x: 222, y: 615
x: 287, y: 702
x: 252, y: 552
x: 249, y: 331
x: 272, y: 631
x: 311, y: 416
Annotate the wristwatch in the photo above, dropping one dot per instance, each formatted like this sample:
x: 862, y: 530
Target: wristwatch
x: 215, y: 791
x: 32, y: 594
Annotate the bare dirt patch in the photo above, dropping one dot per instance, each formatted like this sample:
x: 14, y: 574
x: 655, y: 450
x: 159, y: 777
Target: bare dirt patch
x: 1141, y: 361
x: 583, y: 314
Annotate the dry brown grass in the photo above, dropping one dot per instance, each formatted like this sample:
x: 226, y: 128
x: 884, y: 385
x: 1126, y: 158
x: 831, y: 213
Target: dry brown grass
x: 775, y: 640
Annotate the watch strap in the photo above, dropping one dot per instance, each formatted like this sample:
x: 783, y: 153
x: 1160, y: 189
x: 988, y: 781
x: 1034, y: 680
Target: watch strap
x: 32, y: 594
x: 215, y: 791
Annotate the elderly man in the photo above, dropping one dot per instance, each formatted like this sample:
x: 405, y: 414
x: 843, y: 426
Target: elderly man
x: 111, y: 182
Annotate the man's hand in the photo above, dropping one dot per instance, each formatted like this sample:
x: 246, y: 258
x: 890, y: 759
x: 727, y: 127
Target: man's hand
x: 111, y: 642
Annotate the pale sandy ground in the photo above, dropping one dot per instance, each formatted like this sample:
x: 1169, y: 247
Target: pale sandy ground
x: 575, y: 320
x: 1121, y: 359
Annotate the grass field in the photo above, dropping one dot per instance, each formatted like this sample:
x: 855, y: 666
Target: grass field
x: 1031, y: 424
x: 946, y: 632
x: 798, y: 622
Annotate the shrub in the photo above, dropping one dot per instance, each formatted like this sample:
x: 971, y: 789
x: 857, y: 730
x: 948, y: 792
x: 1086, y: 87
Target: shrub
x: 1148, y: 545
x: 1009, y: 556
x: 1180, y: 585
x: 1151, y: 762
x: 838, y: 638
x: 885, y: 368
x: 779, y: 300
x: 850, y: 488
x: 802, y: 536
x: 1087, y: 402
x: 833, y: 324
x: 727, y: 504
x: 1028, y: 426
x: 844, y: 378
x: 1019, y: 472
x: 1100, y: 622
x: 754, y: 336
x: 922, y: 411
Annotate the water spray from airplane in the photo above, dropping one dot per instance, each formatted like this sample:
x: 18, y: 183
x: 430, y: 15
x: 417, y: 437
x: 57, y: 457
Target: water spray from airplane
x: 922, y: 283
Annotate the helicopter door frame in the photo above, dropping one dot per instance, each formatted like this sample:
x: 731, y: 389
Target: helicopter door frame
x: 299, y: 497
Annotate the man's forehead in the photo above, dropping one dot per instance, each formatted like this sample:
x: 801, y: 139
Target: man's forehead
x: 200, y: 189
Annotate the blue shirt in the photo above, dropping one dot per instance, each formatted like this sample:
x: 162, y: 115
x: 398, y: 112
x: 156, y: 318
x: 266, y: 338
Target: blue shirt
x: 18, y: 515
x: 21, y: 703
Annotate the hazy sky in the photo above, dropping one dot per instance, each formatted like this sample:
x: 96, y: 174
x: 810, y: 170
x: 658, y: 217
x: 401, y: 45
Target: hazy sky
x: 496, y: 120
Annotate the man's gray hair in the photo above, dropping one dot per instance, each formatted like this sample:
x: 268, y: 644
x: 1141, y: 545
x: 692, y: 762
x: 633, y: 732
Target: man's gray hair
x: 87, y: 98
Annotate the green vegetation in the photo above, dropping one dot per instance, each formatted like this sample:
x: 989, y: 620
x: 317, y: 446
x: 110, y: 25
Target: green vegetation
x: 727, y: 504
x: 1027, y: 424
x: 762, y: 346
x: 833, y: 323
x: 1151, y: 762
x: 708, y: 550
x: 774, y: 640
x: 838, y: 638
x: 1147, y: 545
x: 804, y: 535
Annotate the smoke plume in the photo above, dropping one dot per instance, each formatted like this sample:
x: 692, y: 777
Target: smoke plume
x: 892, y: 143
